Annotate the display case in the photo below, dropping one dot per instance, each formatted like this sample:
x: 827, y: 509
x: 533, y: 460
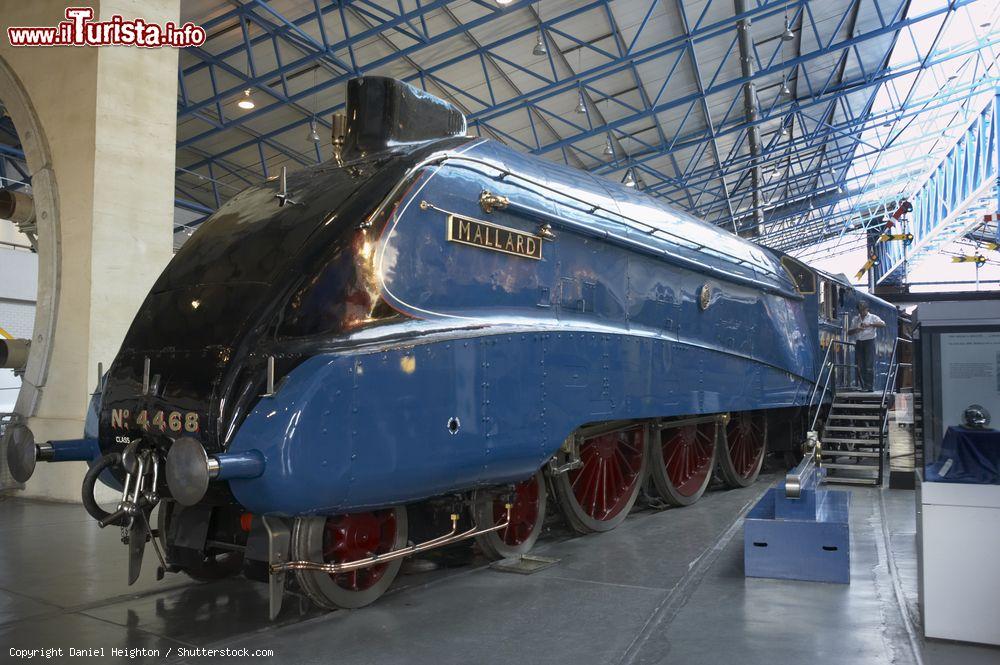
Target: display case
x: 959, y: 379
x: 958, y: 485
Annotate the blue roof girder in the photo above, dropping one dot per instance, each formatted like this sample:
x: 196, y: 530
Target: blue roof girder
x: 967, y: 170
x: 241, y: 10
x: 811, y: 141
x: 258, y: 81
x: 848, y: 88
x: 931, y: 49
x: 567, y: 83
x: 741, y: 80
x: 840, y: 164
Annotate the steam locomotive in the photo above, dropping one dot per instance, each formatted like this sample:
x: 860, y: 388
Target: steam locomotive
x: 421, y: 342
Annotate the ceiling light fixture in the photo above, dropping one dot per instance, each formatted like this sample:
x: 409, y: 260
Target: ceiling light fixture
x: 246, y: 101
x: 784, y: 130
x: 540, y: 44
x: 581, y: 108
x: 787, y: 35
x: 609, y: 150
x: 504, y: 3
x: 629, y: 180
x: 785, y: 90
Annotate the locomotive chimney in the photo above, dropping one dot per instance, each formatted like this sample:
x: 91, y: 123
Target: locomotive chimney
x: 383, y: 112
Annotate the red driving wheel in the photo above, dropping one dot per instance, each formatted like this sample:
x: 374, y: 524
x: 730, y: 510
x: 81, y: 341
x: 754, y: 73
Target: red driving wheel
x: 597, y: 495
x: 743, y: 454
x: 681, y: 466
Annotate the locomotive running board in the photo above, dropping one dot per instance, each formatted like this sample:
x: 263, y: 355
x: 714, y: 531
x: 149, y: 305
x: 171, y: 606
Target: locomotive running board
x: 720, y: 418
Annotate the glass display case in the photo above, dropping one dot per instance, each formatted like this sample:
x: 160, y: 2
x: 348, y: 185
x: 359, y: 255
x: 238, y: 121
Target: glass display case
x: 959, y: 378
x: 958, y: 486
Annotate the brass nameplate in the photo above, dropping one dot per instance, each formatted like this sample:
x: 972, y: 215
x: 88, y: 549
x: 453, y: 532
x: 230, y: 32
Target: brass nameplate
x: 497, y: 238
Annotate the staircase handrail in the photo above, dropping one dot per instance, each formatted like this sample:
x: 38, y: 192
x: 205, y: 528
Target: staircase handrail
x: 828, y: 368
x: 890, y: 381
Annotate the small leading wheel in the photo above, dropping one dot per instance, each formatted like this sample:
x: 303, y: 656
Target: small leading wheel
x: 527, y: 514
x: 681, y: 461
x: 597, y: 495
x: 746, y: 440
x: 345, y: 538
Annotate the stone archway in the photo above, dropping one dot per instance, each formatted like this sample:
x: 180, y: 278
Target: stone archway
x: 45, y: 193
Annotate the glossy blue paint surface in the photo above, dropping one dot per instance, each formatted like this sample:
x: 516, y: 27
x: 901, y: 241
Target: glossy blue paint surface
x: 248, y: 464
x: 357, y: 430
x: 519, y: 352
x: 587, y: 279
x: 75, y: 450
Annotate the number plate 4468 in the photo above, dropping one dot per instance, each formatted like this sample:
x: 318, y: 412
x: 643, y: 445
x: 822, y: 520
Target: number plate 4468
x: 163, y: 421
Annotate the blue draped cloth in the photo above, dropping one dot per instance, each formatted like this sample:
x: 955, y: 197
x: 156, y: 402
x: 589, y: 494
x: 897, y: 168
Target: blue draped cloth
x: 967, y: 456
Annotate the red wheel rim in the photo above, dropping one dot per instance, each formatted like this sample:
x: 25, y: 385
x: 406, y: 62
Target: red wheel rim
x: 358, y: 536
x: 523, y: 513
x: 687, y: 456
x: 604, y: 483
x: 745, y: 440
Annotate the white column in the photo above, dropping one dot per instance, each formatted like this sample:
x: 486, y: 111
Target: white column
x: 108, y: 120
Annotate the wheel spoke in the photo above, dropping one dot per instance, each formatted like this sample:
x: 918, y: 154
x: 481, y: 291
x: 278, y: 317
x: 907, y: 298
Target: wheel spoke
x: 745, y: 443
x: 358, y: 536
x: 687, y: 454
x: 612, y: 465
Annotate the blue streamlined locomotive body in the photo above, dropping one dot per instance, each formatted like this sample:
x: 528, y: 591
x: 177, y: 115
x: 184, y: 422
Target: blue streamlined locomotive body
x: 438, y: 322
x: 517, y: 351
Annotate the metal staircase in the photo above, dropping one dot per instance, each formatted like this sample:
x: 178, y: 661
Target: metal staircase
x: 852, y: 436
x: 854, y: 432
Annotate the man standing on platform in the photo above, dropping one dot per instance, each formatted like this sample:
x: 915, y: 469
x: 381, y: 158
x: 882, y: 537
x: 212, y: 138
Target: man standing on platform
x: 864, y: 332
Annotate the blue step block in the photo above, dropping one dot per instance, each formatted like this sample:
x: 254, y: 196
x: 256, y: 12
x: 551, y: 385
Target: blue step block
x: 799, y: 539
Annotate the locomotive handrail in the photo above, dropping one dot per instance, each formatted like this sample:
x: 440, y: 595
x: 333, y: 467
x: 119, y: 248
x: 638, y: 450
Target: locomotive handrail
x: 826, y: 357
x: 593, y: 207
x: 827, y: 367
x: 639, y: 225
